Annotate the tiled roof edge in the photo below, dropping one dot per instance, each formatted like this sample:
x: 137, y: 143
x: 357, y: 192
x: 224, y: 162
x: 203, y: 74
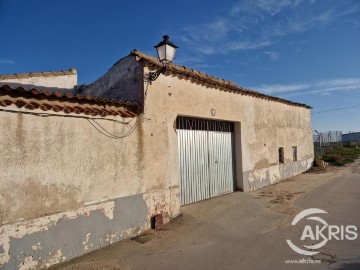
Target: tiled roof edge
x: 34, y: 93
x: 71, y: 71
x: 211, y: 81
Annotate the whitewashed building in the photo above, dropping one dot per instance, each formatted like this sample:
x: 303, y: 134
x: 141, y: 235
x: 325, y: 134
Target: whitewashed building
x: 85, y: 166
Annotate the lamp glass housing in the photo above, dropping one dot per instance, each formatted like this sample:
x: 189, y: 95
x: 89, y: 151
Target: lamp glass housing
x: 166, y: 50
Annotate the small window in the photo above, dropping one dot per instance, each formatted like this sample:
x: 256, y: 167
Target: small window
x: 281, y: 154
x: 294, y: 152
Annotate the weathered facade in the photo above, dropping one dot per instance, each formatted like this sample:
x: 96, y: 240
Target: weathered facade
x: 83, y: 170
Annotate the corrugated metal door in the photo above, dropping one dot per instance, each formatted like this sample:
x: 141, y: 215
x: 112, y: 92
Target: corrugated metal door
x: 206, y: 158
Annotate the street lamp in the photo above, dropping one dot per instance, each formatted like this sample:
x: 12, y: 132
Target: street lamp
x: 166, y: 51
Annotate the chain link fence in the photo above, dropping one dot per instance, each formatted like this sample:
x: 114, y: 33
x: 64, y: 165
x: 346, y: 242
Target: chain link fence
x: 326, y: 141
x: 351, y: 138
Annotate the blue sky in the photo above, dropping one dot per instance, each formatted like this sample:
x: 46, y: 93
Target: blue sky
x: 303, y: 50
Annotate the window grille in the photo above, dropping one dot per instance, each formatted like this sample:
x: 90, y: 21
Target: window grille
x: 281, y: 154
x: 294, y: 152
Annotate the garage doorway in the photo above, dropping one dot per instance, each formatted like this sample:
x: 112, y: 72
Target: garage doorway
x: 206, y: 155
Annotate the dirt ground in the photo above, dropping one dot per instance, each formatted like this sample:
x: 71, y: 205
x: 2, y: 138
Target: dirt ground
x: 206, y: 235
x: 281, y: 196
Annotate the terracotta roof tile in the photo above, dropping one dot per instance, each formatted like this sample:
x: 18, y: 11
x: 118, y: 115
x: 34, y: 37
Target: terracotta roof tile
x: 9, y: 76
x: 29, y: 106
x: 47, y: 74
x: 45, y: 107
x: 207, y: 80
x: 80, y: 109
x: 67, y: 103
x: 71, y: 71
x: 20, y: 103
x: 35, y: 74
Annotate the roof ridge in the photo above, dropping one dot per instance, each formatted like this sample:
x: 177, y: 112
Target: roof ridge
x: 209, y: 80
x: 158, y: 63
x: 67, y: 96
x: 66, y: 102
x: 71, y: 71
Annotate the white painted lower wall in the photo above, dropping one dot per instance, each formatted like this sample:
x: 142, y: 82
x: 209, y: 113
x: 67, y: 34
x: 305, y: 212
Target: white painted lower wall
x: 259, y: 178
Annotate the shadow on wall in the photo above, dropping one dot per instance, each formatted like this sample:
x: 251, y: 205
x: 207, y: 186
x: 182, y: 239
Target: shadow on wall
x: 40, y: 88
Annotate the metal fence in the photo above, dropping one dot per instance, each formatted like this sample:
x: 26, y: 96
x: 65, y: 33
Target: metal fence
x: 351, y: 138
x: 325, y: 141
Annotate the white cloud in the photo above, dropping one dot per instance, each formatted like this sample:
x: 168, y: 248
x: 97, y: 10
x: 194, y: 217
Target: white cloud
x: 275, y: 56
x: 187, y: 60
x: 304, y: 22
x: 280, y: 88
x: 246, y: 45
x: 207, y: 32
x: 4, y: 61
x: 339, y: 83
x: 213, y: 38
x: 271, y: 7
x: 324, y: 87
x: 259, y: 24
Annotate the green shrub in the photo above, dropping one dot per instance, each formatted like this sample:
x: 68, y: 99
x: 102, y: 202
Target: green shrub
x: 341, y: 156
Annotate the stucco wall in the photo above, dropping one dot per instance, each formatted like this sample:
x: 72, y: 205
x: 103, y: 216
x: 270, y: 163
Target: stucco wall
x: 261, y: 127
x: 60, y: 173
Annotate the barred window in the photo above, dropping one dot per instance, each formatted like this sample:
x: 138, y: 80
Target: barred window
x: 294, y: 152
x: 281, y: 154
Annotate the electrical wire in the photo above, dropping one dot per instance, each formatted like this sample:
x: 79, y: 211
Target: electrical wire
x: 103, y: 131
x: 338, y: 109
x: 100, y: 128
x: 92, y: 120
x: 146, y: 90
x: 42, y: 114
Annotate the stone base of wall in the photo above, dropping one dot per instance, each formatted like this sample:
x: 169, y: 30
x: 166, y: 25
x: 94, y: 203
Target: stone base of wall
x: 48, y: 240
x: 256, y: 179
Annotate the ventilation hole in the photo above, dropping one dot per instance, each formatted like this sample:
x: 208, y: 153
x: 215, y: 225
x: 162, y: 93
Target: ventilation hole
x: 156, y: 222
x: 153, y: 223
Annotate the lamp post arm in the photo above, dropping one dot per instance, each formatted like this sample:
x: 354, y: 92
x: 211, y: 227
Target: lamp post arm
x: 152, y: 76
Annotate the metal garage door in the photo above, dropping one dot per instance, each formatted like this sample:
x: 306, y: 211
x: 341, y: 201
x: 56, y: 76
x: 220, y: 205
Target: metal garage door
x: 206, y: 158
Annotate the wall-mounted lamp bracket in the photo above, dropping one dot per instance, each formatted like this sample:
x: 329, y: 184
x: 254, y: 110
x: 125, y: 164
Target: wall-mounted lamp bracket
x: 152, y: 76
x: 166, y: 51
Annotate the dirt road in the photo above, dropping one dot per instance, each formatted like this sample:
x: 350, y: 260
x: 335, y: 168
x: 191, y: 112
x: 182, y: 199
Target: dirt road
x: 246, y: 230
